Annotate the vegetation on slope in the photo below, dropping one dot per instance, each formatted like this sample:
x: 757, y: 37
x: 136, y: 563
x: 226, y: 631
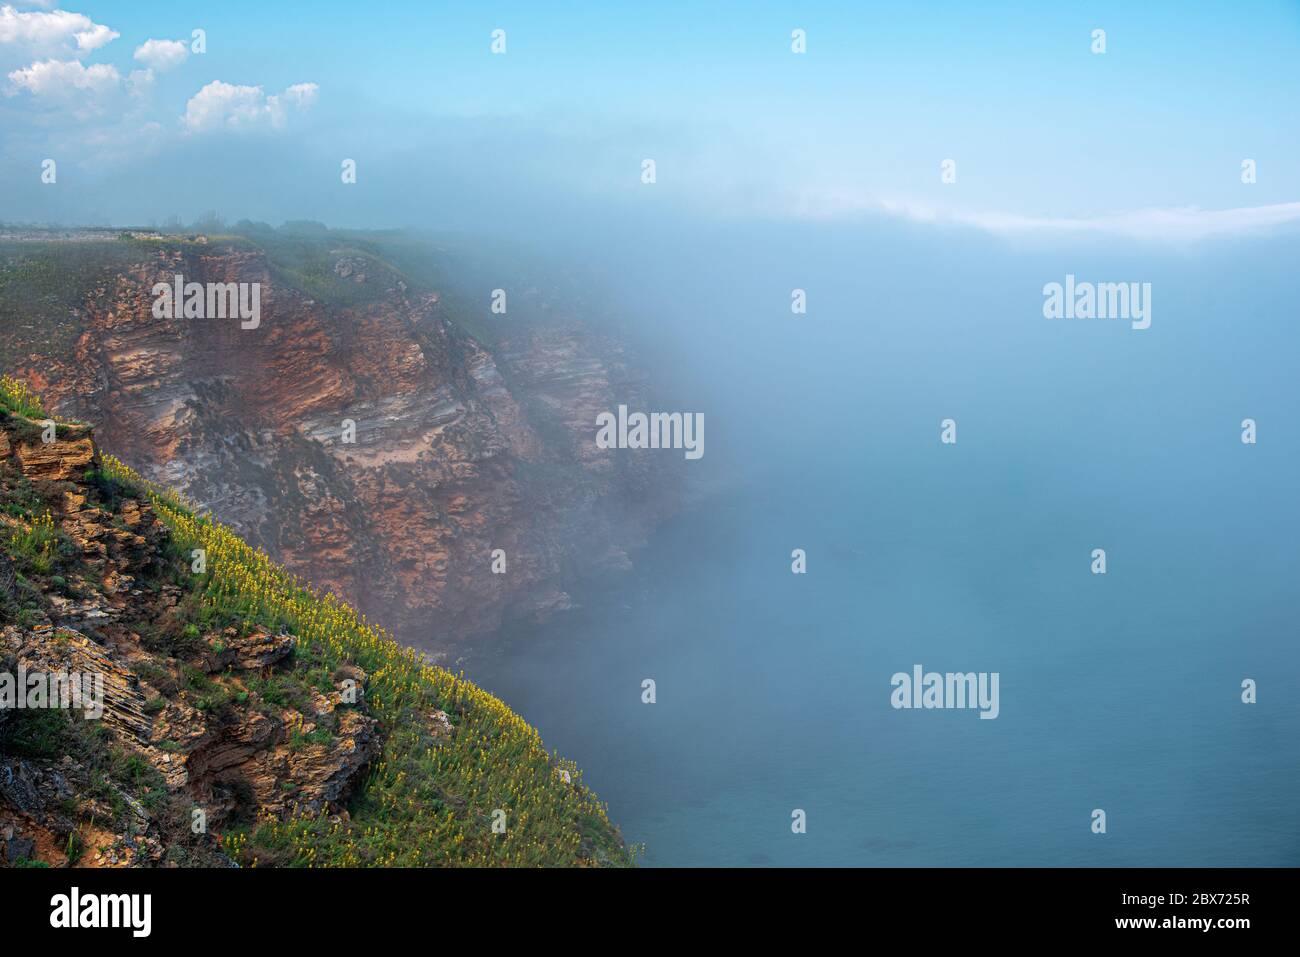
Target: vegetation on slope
x: 431, y: 796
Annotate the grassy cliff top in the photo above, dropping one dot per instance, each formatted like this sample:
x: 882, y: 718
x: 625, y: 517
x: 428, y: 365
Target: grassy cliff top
x: 48, y: 276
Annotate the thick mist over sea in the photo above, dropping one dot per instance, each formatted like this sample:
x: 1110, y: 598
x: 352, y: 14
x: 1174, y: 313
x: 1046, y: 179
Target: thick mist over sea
x: 1119, y: 691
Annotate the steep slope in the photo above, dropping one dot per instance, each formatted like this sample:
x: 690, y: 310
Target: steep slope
x: 463, y: 443
x: 245, y: 718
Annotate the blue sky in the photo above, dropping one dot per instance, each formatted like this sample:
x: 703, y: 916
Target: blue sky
x: 1041, y: 128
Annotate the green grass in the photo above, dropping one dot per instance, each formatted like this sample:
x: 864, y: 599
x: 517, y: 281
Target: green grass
x: 42, y: 287
x: 38, y: 549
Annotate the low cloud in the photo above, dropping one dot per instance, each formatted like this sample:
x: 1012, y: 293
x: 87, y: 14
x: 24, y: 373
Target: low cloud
x: 224, y: 106
x: 1166, y: 224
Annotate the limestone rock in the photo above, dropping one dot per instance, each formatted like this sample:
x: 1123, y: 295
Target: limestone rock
x: 258, y: 650
x: 60, y: 461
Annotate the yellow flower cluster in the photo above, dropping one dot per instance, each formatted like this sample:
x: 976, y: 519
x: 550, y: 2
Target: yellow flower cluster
x: 18, y: 398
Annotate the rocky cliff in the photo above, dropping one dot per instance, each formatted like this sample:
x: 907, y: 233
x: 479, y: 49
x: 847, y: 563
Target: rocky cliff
x: 360, y: 434
x: 241, y: 718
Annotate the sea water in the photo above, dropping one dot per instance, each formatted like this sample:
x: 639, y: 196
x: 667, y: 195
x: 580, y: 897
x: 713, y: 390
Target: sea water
x: 1120, y: 692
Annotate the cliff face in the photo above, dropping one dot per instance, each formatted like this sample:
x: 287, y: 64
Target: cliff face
x: 460, y: 448
x: 221, y: 714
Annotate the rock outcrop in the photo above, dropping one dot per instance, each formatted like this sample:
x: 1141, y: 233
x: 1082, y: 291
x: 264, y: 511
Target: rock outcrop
x: 177, y: 721
x: 361, y: 435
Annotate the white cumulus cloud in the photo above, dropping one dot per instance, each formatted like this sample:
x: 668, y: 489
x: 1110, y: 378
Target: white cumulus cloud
x: 302, y: 95
x: 33, y: 34
x: 244, y: 108
x: 81, y: 92
x: 162, y: 55
x: 64, y: 79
